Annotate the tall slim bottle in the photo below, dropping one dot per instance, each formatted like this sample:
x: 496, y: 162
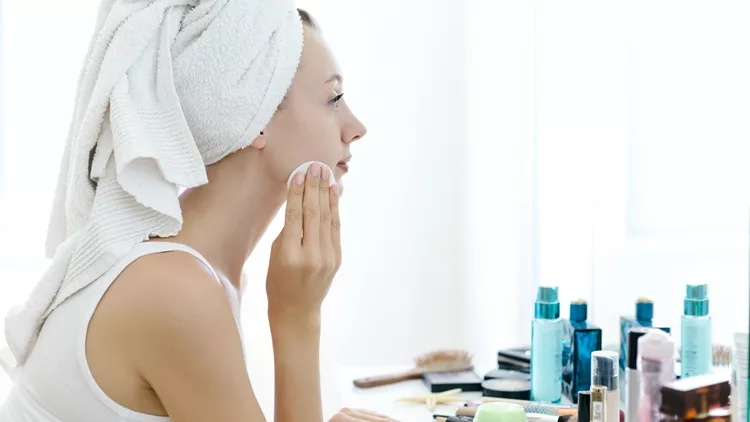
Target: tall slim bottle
x: 695, y: 347
x: 546, y: 347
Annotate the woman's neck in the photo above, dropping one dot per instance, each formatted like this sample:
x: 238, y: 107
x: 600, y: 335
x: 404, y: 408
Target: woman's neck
x: 224, y: 219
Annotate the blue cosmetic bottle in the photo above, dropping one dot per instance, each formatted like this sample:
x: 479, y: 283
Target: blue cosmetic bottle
x: 546, y: 347
x: 695, y: 339
x: 580, y: 339
x: 644, y: 317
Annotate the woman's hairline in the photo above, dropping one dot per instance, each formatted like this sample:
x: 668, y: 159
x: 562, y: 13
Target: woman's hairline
x: 307, y: 20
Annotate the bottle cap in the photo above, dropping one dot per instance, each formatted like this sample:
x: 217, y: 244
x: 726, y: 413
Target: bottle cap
x: 696, y: 300
x: 579, y: 310
x: 547, y: 305
x: 605, y: 369
x: 656, y: 344
x: 644, y: 309
x: 633, y: 335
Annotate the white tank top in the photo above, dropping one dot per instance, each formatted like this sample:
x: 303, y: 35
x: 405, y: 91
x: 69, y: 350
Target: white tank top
x: 55, y: 384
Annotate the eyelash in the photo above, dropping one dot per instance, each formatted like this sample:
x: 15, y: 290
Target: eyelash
x: 335, y: 101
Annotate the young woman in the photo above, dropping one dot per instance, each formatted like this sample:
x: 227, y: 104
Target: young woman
x: 156, y: 337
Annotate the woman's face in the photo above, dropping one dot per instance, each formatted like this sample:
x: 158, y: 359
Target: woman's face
x: 313, y: 123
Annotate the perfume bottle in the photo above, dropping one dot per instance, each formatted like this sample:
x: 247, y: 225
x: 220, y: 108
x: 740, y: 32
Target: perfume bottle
x: 696, y: 349
x: 644, y: 317
x: 546, y: 347
x: 580, y: 339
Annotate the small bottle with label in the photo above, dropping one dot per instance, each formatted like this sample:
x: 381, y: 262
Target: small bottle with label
x: 598, y: 412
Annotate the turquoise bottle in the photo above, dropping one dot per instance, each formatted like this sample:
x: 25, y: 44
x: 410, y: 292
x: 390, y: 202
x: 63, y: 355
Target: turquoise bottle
x: 695, y: 348
x: 546, y: 347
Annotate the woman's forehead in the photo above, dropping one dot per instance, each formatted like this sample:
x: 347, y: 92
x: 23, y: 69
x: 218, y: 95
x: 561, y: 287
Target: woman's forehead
x: 317, y: 62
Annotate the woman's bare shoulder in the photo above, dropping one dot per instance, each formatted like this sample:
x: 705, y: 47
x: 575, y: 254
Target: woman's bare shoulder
x: 181, y: 335
x: 171, y: 285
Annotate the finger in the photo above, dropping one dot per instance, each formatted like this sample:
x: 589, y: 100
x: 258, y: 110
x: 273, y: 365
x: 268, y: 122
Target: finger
x: 325, y: 213
x: 335, y: 222
x: 343, y: 417
x: 292, y: 231
x: 311, y: 208
x: 367, y: 415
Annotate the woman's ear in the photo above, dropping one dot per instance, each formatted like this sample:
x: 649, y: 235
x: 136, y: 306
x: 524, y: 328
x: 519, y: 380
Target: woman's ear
x: 260, y: 142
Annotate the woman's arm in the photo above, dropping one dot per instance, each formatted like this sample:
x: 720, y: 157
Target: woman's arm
x: 304, y: 259
x: 296, y: 346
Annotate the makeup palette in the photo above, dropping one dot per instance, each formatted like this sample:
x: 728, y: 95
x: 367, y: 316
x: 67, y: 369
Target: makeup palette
x: 519, y: 389
x: 507, y: 374
x: 443, y: 381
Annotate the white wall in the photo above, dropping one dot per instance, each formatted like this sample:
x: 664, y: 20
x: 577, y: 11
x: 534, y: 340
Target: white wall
x: 643, y: 149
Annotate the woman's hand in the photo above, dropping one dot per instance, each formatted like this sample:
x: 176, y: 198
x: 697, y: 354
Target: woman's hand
x: 359, y: 415
x: 307, y: 254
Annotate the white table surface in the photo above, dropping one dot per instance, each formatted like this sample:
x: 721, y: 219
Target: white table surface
x: 379, y: 399
x: 384, y: 399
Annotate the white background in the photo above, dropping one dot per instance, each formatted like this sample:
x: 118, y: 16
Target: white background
x: 598, y: 146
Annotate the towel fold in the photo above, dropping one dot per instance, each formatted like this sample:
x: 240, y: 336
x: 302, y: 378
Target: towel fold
x: 168, y: 87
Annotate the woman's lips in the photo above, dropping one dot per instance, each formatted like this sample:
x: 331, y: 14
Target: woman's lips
x: 344, y: 164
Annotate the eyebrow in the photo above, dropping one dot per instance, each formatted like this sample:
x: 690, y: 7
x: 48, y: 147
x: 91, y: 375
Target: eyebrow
x: 335, y: 77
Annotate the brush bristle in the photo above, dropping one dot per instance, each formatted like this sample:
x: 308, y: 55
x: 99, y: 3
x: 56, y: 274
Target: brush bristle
x: 720, y: 355
x: 444, y: 360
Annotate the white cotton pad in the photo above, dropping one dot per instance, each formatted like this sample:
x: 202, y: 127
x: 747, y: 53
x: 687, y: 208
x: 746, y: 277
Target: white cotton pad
x: 303, y: 168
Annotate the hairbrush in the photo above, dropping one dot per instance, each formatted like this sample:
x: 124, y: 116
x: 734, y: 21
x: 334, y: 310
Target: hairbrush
x: 439, y: 361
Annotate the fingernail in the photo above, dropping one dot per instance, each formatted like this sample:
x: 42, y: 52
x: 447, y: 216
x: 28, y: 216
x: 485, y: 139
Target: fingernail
x: 335, y: 190
x: 325, y: 174
x: 299, y: 178
x: 315, y: 170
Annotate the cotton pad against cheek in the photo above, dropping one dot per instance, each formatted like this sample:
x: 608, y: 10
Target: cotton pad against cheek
x: 303, y: 168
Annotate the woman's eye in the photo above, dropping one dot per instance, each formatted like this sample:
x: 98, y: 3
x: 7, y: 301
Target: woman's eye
x: 335, y: 101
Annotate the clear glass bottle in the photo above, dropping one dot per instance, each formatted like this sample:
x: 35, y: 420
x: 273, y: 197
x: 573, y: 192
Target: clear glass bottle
x: 605, y: 373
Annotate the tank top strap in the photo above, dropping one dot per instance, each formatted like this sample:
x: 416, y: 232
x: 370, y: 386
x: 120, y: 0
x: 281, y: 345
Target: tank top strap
x: 148, y: 248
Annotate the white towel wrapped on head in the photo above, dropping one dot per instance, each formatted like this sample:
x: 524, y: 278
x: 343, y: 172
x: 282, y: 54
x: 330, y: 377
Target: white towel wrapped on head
x: 168, y: 87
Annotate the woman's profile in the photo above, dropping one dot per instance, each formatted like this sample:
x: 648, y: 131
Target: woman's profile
x: 137, y: 318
